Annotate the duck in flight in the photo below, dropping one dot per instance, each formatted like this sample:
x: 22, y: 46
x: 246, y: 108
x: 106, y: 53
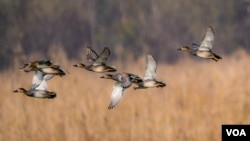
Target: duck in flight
x: 204, y: 50
x: 45, y: 66
x: 149, y: 79
x: 97, y: 63
x: 39, y: 87
x: 44, y: 70
x: 123, y: 81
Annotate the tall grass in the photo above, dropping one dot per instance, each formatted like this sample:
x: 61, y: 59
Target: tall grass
x: 199, y: 97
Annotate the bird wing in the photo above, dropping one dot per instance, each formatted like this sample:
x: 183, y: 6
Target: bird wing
x: 91, y: 55
x: 61, y: 71
x: 31, y: 66
x: 37, y: 79
x: 207, y: 42
x: 26, y: 65
x: 116, y: 95
x: 103, y: 57
x: 47, y: 77
x: 150, y: 68
x: 43, y: 85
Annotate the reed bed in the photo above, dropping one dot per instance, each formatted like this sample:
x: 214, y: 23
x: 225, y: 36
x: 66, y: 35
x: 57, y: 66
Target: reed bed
x: 200, y: 96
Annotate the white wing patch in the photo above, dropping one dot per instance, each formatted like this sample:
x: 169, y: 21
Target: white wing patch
x: 116, y: 95
x: 208, y: 41
x: 42, y: 86
x: 150, y: 72
x: 37, y: 79
x: 47, y: 77
x: 40, y: 80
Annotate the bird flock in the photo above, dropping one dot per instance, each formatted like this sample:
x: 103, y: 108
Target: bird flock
x: 45, y: 70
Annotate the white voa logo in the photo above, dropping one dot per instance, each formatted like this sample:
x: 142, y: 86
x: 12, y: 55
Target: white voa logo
x: 236, y: 132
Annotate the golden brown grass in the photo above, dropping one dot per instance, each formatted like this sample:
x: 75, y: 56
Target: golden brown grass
x: 199, y: 97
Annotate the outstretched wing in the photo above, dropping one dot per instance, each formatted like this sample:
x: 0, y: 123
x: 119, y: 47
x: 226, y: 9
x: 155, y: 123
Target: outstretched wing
x: 39, y: 77
x: 116, y: 95
x: 26, y: 65
x: 103, y: 57
x: 43, y: 85
x: 91, y: 55
x: 150, y: 68
x: 207, y: 42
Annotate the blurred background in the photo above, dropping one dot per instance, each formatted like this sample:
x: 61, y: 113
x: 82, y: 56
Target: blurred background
x: 200, y: 94
x: 128, y: 27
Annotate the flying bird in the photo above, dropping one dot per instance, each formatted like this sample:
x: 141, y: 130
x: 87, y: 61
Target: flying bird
x: 44, y: 70
x: 39, y: 87
x: 97, y: 63
x: 204, y: 50
x: 123, y: 81
x: 149, y: 79
x: 45, y: 66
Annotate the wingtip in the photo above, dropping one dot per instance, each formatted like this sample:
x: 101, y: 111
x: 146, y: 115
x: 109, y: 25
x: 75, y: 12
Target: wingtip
x: 210, y: 28
x: 52, y: 96
x: 107, y: 48
x: 162, y: 84
x: 111, y: 107
x: 113, y: 70
x: 149, y: 55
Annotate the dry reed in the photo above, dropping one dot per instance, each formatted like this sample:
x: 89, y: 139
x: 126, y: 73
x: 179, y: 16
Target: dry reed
x: 199, y: 97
